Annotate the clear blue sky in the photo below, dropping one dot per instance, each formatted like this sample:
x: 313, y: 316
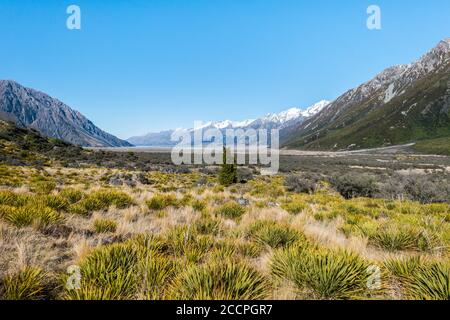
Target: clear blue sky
x: 140, y: 66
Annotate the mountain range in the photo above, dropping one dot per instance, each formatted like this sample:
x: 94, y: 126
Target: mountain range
x: 280, y: 121
x: 29, y: 108
x: 402, y: 104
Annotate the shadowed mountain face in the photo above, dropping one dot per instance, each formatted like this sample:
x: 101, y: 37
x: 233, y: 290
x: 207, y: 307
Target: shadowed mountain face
x: 403, y: 104
x: 33, y: 109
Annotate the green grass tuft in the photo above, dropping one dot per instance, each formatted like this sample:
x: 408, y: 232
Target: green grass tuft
x: 105, y: 225
x: 162, y: 201
x: 230, y: 210
x: 221, y: 280
x: 27, y: 284
x: 272, y: 234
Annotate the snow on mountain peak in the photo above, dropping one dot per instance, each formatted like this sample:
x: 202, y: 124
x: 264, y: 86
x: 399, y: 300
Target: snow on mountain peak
x: 296, y: 113
x: 271, y: 121
x: 315, y: 108
x: 280, y: 118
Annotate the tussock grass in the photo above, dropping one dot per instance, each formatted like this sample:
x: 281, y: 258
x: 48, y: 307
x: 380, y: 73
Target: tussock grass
x: 136, y: 269
x: 224, y: 249
x: 39, y: 215
x: 55, y: 202
x: 198, y: 205
x: 158, y: 273
x: 322, y: 274
x: 294, y: 207
x: 230, y: 210
x: 209, y: 246
x: 27, y: 284
x: 71, y: 195
x: 108, y: 273
x: 222, y: 280
x: 404, y: 267
x: 162, y: 201
x: 248, y: 249
x: 273, y: 234
x: 430, y: 282
x: 42, y: 186
x: 403, y: 238
x: 102, y: 200
x: 183, y: 242
x: 104, y: 225
x: 208, y: 225
x: 421, y: 279
x: 9, y: 198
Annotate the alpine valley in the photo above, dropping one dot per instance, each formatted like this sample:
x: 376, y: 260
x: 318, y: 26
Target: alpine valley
x: 403, y: 104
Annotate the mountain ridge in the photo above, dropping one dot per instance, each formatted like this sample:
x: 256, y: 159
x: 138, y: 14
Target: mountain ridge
x: 31, y: 108
x: 269, y: 121
x: 401, y: 104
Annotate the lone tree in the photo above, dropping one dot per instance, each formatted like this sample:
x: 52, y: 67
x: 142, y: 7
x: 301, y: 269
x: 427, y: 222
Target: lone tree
x: 228, y: 172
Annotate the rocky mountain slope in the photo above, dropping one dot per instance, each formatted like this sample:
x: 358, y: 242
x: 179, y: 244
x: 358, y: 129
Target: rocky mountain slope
x: 33, y: 109
x: 270, y: 121
x: 405, y: 103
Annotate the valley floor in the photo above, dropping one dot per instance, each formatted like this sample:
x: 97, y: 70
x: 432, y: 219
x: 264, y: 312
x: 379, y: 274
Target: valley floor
x: 115, y: 233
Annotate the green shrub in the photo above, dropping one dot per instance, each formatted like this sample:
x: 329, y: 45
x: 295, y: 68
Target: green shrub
x: 27, y: 284
x: 223, y: 249
x: 230, y: 210
x: 105, y: 225
x: 354, y: 185
x: 222, y: 280
x: 301, y: 184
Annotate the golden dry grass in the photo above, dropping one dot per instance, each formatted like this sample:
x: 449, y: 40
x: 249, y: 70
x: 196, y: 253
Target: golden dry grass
x: 198, y: 227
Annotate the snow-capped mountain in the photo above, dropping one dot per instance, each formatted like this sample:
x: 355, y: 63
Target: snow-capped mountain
x: 402, y: 104
x: 294, y: 114
x: 270, y: 121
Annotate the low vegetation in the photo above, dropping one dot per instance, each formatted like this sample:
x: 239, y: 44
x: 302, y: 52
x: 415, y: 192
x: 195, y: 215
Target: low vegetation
x: 170, y: 233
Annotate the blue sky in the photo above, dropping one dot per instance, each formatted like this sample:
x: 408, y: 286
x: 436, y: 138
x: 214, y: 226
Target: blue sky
x: 140, y: 66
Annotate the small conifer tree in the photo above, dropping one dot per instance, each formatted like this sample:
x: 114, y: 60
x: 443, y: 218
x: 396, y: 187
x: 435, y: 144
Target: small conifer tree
x: 228, y: 172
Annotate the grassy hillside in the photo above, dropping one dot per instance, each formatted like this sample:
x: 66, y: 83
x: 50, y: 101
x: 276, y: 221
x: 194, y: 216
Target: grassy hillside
x: 21, y: 146
x: 439, y: 146
x: 420, y: 113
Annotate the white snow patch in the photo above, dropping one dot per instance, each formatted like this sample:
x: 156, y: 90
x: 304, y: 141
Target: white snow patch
x: 390, y: 93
